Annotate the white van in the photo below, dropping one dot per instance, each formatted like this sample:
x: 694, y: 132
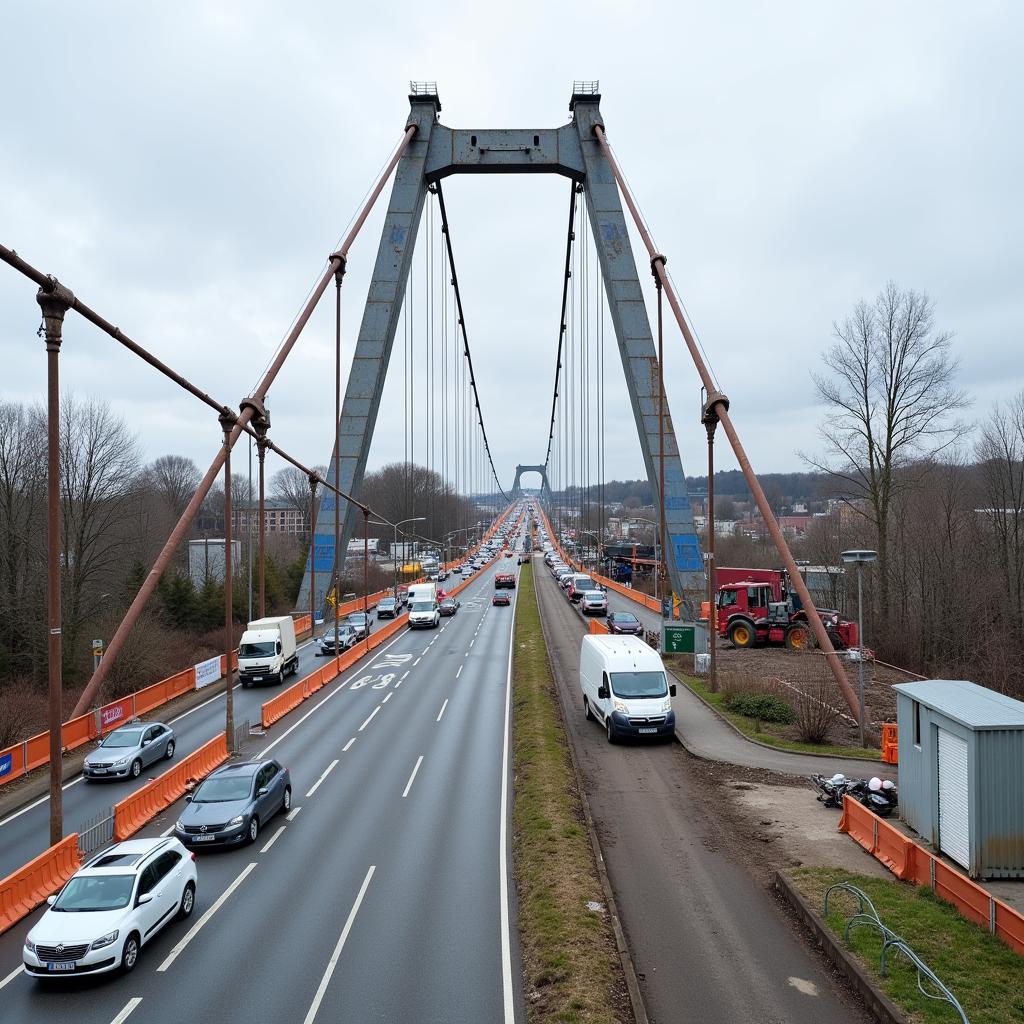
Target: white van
x: 625, y: 686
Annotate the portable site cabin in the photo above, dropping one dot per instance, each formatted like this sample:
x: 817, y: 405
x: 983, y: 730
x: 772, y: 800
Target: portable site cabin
x: 961, y: 772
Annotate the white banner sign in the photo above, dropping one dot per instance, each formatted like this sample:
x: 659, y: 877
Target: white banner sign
x: 207, y: 672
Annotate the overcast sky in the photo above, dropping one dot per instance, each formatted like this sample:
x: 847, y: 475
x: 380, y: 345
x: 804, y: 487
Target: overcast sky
x: 186, y: 168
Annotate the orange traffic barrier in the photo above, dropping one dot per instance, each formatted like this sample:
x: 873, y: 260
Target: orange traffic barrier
x: 597, y: 627
x: 890, y: 743
x: 23, y: 890
x: 911, y: 862
x: 145, y: 803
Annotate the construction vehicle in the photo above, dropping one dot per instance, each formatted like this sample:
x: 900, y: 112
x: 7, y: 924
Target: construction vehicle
x: 764, y: 609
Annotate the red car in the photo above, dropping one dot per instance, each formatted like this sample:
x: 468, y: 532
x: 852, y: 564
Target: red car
x: 501, y: 597
x: 625, y: 622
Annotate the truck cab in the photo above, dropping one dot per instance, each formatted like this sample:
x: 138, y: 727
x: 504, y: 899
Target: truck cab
x: 267, y: 652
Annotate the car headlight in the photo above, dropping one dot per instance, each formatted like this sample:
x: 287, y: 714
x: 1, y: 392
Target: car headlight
x: 120, y: 760
x: 30, y: 945
x: 105, y: 940
x: 667, y: 706
x: 237, y: 819
x: 618, y: 705
x: 178, y: 827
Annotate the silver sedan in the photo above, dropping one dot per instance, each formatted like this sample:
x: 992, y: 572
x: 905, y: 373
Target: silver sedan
x: 126, y: 751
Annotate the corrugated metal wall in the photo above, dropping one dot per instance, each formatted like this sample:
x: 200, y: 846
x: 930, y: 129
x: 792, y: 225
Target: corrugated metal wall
x: 916, y: 770
x: 997, y: 786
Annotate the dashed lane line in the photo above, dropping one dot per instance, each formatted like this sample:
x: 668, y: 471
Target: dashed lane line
x: 412, y: 777
x: 441, y: 712
x: 127, y: 1011
x: 347, y: 745
x: 273, y: 839
x: 370, y: 719
x: 327, y: 771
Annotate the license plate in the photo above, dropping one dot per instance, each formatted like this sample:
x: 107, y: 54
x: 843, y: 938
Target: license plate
x: 70, y: 966
x: 99, y: 771
x: 647, y: 730
x: 257, y: 679
x: 210, y: 839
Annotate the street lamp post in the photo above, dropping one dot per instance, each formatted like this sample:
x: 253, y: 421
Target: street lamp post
x: 860, y: 559
x: 394, y: 545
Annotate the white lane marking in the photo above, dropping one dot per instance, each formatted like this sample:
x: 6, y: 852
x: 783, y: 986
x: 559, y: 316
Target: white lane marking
x: 386, y: 699
x: 443, y: 628
x: 327, y: 771
x: 336, y: 955
x: 459, y: 673
x: 291, y: 815
x: 419, y: 761
x: 506, y: 946
x: 473, y: 641
x: 416, y: 662
x: 10, y: 977
x: 426, y: 650
x: 41, y: 800
x: 349, y: 744
x: 441, y: 712
x: 127, y: 1011
x: 166, y: 832
x: 466, y: 655
x: 199, y: 707
x: 195, y: 929
x: 316, y: 707
x: 404, y: 674
x: 273, y: 839
x: 370, y: 719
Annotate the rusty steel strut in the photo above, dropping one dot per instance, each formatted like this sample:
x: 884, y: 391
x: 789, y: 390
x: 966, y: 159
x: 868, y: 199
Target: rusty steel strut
x: 248, y: 409
x: 721, y: 407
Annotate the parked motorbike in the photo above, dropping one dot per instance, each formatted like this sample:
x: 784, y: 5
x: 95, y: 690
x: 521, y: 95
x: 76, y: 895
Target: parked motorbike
x: 878, y: 796
x: 831, y: 789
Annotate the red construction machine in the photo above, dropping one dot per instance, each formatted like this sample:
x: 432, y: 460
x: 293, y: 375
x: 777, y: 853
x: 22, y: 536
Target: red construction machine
x: 757, y: 607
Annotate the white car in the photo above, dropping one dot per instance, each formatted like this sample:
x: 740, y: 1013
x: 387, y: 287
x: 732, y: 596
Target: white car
x: 112, y: 907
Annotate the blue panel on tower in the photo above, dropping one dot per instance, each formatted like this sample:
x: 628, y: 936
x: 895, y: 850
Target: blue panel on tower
x: 324, y: 554
x: 687, y: 551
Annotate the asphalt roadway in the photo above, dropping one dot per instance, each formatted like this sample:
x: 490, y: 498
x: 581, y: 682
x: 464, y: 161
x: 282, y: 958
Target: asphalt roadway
x: 707, y: 941
x: 385, y: 896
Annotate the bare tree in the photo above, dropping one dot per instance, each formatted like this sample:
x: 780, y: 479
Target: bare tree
x: 891, y: 400
x: 174, y: 479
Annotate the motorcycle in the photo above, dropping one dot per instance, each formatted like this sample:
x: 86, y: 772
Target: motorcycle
x: 876, y: 795
x: 831, y: 790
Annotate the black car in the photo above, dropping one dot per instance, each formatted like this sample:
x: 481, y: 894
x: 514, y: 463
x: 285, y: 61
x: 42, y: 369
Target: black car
x: 625, y: 622
x: 449, y: 606
x: 387, y: 608
x: 360, y: 622
x: 231, y: 805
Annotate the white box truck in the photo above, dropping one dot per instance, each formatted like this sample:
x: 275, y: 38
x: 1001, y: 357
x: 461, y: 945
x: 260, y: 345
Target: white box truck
x: 625, y: 687
x: 423, y: 607
x: 266, y: 653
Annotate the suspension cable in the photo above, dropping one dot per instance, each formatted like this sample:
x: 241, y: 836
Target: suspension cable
x: 465, y: 337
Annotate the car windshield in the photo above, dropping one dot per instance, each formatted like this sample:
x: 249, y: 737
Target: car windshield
x: 584, y: 583
x: 220, y: 789
x: 86, y: 893
x: 626, y: 617
x: 260, y: 650
x: 639, y: 684
x: 420, y: 606
x: 385, y: 602
x: 123, y: 738
x: 594, y: 595
x: 357, y: 619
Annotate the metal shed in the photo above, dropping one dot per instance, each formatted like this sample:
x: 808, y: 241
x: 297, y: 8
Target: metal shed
x: 961, y: 772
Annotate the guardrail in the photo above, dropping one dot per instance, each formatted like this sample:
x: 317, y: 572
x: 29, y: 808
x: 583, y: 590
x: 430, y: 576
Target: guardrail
x: 911, y: 862
x: 146, y: 802
x: 23, y: 891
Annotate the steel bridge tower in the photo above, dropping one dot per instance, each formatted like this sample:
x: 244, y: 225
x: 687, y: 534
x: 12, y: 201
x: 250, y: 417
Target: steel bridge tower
x: 572, y: 151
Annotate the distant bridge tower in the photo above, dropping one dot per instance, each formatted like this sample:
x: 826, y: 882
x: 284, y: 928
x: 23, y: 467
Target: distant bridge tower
x: 545, y: 487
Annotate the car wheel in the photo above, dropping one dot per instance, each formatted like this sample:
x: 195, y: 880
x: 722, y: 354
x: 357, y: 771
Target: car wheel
x: 169, y: 752
x: 136, y: 769
x: 188, y: 902
x: 286, y: 802
x: 610, y: 730
x: 245, y: 684
x: 254, y: 828
x: 587, y: 713
x: 130, y: 953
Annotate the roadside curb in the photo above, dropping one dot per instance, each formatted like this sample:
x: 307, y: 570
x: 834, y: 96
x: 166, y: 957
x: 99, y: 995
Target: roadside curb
x: 766, y: 746
x: 881, y: 1007
x: 636, y: 998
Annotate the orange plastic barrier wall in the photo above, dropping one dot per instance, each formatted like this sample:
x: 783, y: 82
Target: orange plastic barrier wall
x: 23, y: 891
x: 913, y: 863
x: 145, y: 803
x: 890, y: 743
x: 597, y: 627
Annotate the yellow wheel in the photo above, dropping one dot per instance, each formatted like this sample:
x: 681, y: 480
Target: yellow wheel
x: 797, y: 638
x: 741, y: 634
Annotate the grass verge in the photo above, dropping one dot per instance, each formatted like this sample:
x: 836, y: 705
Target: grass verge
x: 766, y: 733
x: 983, y: 974
x: 571, y: 968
